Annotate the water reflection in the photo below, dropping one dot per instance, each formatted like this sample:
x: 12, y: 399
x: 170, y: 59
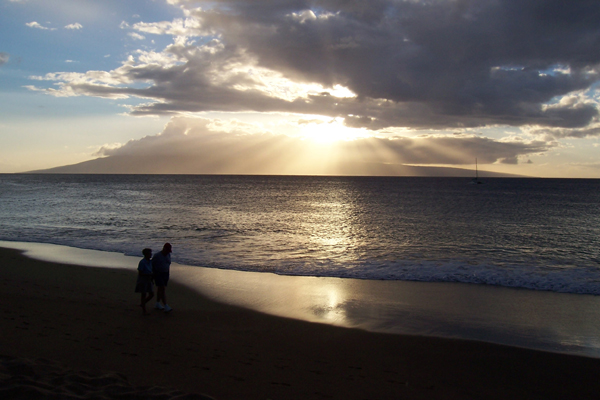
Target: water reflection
x: 336, y: 232
x: 329, y: 303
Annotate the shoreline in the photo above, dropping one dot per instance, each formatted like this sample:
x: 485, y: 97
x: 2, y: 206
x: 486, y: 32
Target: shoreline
x: 88, y: 319
x: 547, y: 321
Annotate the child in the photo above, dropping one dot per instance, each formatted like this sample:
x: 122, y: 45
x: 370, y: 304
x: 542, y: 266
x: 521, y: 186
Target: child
x: 144, y: 284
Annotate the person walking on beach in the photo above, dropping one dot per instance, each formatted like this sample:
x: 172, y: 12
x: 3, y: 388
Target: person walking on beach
x: 161, y: 265
x: 144, y: 283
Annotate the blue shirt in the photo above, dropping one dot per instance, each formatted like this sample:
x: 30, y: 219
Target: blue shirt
x: 145, y: 267
x: 161, y: 262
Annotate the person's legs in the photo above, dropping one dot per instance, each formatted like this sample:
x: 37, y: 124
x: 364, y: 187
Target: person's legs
x: 160, y: 296
x: 143, y: 302
x: 150, y: 296
x: 164, y: 297
x: 161, y: 281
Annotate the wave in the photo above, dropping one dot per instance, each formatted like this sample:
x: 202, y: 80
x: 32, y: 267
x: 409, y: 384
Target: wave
x: 553, y: 278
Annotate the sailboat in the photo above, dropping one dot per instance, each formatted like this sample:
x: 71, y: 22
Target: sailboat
x: 476, y: 180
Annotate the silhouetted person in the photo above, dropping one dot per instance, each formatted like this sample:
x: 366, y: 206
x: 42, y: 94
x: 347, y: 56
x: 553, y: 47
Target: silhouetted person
x: 144, y: 283
x: 161, y: 265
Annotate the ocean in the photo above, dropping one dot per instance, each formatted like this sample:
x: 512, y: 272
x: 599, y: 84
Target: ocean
x: 538, y: 234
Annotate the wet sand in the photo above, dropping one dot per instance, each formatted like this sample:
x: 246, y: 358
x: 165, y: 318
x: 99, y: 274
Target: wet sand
x: 84, y: 325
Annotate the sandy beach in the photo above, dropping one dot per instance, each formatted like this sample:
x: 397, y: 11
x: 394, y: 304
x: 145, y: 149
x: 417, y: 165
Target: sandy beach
x: 77, y: 331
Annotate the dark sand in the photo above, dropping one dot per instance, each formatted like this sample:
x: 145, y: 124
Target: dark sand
x: 77, y: 331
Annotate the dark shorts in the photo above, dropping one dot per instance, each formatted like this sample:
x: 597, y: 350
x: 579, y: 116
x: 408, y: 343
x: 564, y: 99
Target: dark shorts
x: 144, y: 284
x: 161, y: 278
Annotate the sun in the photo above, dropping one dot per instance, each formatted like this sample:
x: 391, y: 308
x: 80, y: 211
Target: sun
x: 329, y: 131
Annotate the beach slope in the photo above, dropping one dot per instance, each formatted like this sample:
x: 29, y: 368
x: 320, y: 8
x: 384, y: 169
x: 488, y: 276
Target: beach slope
x: 85, y: 324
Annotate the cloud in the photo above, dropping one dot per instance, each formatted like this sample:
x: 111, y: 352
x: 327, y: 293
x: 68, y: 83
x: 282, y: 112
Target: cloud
x: 198, y: 145
x: 75, y: 26
x: 4, y: 57
x: 561, y: 133
x: 36, y: 25
x: 136, y: 36
x: 178, y: 27
x: 412, y: 64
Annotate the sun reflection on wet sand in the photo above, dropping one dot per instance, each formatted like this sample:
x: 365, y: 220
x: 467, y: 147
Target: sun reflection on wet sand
x: 308, y: 298
x: 540, y: 320
x: 329, y: 301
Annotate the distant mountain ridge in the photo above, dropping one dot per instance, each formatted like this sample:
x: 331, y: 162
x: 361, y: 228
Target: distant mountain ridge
x: 176, y: 165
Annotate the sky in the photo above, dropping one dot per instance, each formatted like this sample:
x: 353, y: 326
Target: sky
x: 302, y: 87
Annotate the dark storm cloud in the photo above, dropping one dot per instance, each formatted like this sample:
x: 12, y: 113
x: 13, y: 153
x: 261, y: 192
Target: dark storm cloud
x: 418, y: 64
x: 478, y: 61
